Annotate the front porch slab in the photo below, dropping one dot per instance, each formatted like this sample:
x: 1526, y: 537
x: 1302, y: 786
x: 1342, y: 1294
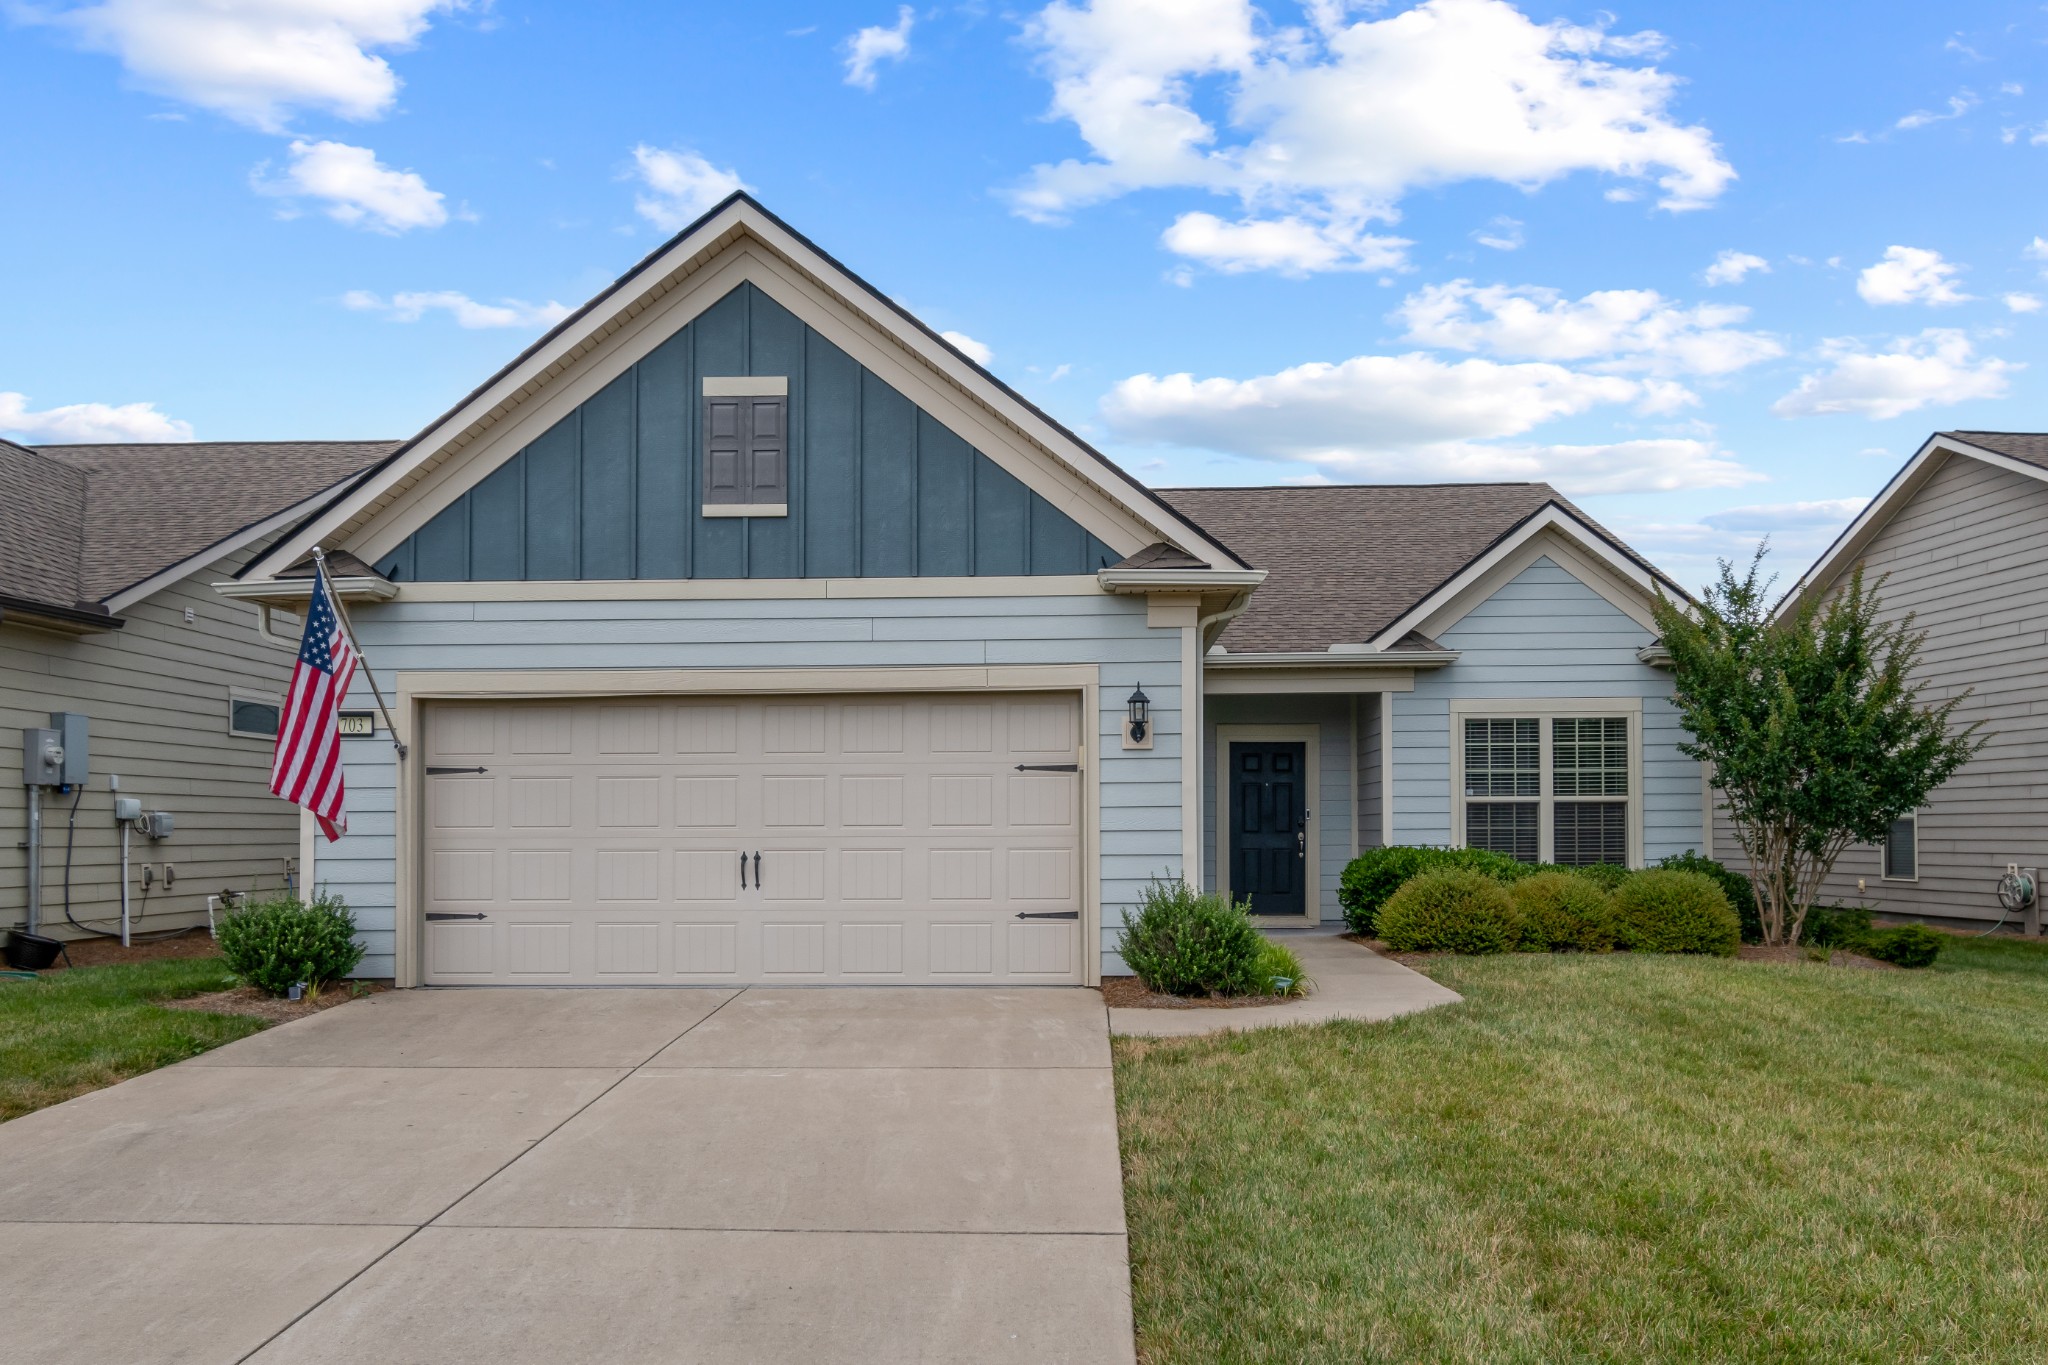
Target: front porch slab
x: 1352, y: 982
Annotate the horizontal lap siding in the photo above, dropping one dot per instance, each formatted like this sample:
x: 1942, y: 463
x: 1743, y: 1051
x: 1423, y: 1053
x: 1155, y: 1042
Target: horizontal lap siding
x: 156, y: 697
x: 1965, y: 556
x: 1140, y: 815
x: 1543, y: 635
x: 1333, y: 808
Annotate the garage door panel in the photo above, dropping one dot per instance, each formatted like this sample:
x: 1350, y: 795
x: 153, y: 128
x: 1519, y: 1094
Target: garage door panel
x: 613, y: 840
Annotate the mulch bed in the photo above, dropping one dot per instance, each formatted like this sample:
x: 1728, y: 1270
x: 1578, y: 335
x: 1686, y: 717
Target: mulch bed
x: 108, y: 952
x: 256, y: 1004
x: 1129, y: 993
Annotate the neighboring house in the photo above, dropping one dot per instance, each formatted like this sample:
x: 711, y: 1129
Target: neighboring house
x: 107, y: 557
x: 743, y: 629
x: 1960, y: 538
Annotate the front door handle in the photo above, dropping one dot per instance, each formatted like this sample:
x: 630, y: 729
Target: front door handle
x: 1300, y: 844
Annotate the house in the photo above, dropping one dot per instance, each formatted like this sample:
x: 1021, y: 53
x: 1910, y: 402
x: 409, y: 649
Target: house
x: 107, y: 557
x: 743, y: 629
x: 1959, y: 537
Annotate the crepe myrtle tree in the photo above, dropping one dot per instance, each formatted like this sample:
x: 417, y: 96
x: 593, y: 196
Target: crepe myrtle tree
x: 1812, y: 723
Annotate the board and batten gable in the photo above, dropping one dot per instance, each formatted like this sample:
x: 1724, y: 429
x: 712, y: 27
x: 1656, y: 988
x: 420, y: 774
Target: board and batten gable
x: 1964, y: 555
x: 876, y: 486
x: 1544, y: 634
x: 1139, y: 791
x: 155, y: 694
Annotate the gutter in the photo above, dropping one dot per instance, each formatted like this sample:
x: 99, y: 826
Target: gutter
x: 286, y: 591
x: 1655, y: 655
x: 1377, y: 658
x: 1178, y: 580
x: 23, y: 611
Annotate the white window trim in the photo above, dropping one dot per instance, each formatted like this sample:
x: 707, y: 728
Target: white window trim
x: 746, y: 386
x: 1544, y: 710
x: 746, y: 509
x: 1312, y: 790
x: 236, y: 694
x: 1884, y: 852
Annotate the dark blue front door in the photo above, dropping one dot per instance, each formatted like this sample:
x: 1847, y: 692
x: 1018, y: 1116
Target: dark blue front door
x: 1268, y: 826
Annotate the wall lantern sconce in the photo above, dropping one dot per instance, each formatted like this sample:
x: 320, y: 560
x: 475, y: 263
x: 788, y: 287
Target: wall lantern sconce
x: 1138, y: 725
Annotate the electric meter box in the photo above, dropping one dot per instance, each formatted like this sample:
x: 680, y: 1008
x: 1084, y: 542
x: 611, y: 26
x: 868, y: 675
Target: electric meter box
x: 42, y: 758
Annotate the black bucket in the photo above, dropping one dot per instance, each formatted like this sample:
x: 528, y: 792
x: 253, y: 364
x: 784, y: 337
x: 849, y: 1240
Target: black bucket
x: 31, y: 952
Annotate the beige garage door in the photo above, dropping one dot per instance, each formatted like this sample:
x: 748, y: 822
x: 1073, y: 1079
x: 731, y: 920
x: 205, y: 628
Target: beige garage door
x: 629, y: 841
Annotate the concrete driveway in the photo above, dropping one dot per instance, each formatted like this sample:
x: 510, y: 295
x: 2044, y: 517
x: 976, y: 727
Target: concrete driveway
x: 562, y: 1175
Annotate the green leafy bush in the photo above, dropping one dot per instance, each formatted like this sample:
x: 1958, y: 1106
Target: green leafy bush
x: 1559, y: 910
x: 1736, y: 887
x: 1450, y: 910
x: 1376, y: 874
x: 1664, y: 910
x: 1908, y: 945
x: 1608, y: 876
x: 1836, y: 926
x: 1277, y: 964
x: 277, y: 943
x: 1185, y: 942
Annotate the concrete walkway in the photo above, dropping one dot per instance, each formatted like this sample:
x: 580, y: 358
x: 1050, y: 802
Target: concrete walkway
x: 1351, y: 980
x: 513, y: 1176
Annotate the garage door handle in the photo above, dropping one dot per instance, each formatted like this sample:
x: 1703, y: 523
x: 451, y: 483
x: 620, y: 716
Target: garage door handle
x: 442, y: 772
x: 743, y: 872
x: 1048, y: 767
x: 1048, y: 914
x: 435, y: 914
x: 757, y: 871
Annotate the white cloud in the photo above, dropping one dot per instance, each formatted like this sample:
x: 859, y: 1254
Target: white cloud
x: 1959, y: 104
x: 1910, y: 274
x: 1798, y: 532
x: 1336, y: 123
x: 680, y: 186
x: 976, y: 351
x: 1628, y: 330
x: 258, y: 60
x: 2036, y: 250
x: 1502, y: 234
x: 355, y: 188
x: 2023, y: 303
x: 1730, y: 267
x: 411, y: 306
x: 1414, y: 417
x: 88, y: 422
x: 874, y: 45
x: 1937, y: 367
x: 1292, y: 245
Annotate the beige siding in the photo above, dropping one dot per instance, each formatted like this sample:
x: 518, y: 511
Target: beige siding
x: 156, y: 693
x: 1968, y: 554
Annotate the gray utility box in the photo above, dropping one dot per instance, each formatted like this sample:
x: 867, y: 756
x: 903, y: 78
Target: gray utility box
x: 42, y: 758
x: 71, y: 732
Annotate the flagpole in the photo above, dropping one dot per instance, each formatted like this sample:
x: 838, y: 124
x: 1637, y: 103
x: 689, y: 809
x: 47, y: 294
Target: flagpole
x: 341, y: 614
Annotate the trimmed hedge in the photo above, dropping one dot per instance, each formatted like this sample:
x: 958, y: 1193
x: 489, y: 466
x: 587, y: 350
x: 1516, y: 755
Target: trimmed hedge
x: 1185, y: 942
x: 1376, y: 874
x: 278, y: 943
x: 1668, y: 911
x: 1736, y: 887
x: 1450, y: 910
x: 1907, y: 945
x: 1558, y: 910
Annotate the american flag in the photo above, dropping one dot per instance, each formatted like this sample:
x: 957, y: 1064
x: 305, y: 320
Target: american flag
x: 307, y: 767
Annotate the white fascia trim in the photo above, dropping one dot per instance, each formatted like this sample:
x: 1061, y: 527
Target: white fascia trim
x: 1177, y: 580
x: 1877, y: 514
x: 1551, y: 518
x: 1386, y: 658
x: 286, y: 589
x: 192, y: 564
x: 742, y: 216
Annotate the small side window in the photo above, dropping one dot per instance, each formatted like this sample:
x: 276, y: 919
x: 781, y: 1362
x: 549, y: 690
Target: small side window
x: 1902, y: 850
x: 253, y: 715
x: 746, y: 446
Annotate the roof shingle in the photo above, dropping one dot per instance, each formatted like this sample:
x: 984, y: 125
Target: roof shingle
x: 2030, y: 446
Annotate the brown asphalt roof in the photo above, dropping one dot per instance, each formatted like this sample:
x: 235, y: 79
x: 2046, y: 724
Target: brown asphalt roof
x: 1344, y: 561
x: 94, y: 519
x: 2031, y: 446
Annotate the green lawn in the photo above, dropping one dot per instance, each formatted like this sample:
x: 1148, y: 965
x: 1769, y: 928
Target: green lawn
x: 70, y: 1032
x: 1621, y: 1158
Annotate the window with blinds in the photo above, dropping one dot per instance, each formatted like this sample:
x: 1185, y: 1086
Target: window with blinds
x: 1555, y: 788
x: 1504, y: 761
x: 1589, y: 758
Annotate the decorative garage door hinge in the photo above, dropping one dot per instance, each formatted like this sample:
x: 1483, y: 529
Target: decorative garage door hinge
x: 439, y: 772
x: 438, y: 914
x: 1048, y: 914
x: 1048, y: 767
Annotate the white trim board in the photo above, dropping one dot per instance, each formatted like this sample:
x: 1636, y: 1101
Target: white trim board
x: 953, y: 387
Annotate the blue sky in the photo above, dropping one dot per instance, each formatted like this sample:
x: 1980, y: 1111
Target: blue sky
x: 1712, y: 270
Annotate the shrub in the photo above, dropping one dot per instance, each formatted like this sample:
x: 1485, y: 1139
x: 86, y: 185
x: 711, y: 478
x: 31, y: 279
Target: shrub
x: 1908, y: 945
x: 1836, y: 926
x: 1451, y: 909
x: 1376, y: 874
x: 277, y: 943
x: 1557, y: 910
x: 1736, y: 887
x: 1277, y: 963
x: 1668, y: 911
x: 1608, y: 876
x: 1185, y: 942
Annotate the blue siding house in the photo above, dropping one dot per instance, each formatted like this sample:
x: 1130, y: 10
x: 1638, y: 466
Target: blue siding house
x: 743, y: 629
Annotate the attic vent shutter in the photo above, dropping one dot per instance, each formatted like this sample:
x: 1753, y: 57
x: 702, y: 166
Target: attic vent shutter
x: 746, y: 451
